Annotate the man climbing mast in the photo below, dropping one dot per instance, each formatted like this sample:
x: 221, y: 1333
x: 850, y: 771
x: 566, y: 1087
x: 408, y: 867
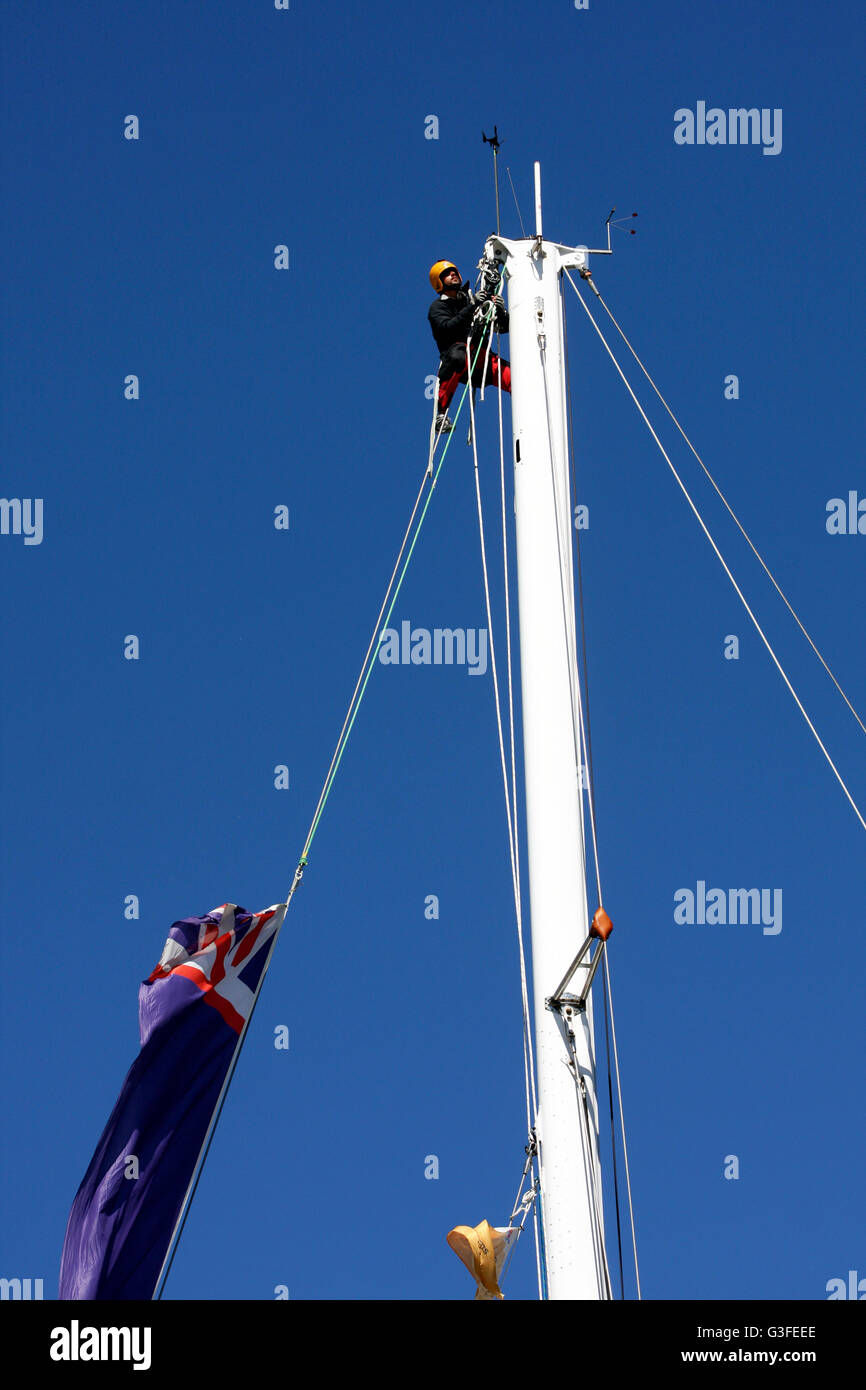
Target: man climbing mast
x: 451, y: 320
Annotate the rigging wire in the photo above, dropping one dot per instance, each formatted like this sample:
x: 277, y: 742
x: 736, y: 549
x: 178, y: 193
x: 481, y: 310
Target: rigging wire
x: 530, y: 1114
x: 613, y: 1136
x: 516, y: 204
x: 721, y: 559
x: 591, y: 785
x: 376, y: 630
x: 622, y: 1119
x: 520, y: 1199
x: 732, y: 513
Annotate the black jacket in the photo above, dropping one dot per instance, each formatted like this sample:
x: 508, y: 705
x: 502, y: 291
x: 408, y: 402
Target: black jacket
x: 450, y: 319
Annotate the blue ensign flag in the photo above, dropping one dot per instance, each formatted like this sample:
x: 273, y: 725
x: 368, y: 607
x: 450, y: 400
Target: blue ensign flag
x: 191, y: 1011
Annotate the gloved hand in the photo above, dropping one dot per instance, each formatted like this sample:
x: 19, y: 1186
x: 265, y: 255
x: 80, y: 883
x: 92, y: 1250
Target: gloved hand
x: 499, y: 301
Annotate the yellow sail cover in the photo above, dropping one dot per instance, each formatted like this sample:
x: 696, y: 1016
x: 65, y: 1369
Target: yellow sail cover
x: 483, y: 1249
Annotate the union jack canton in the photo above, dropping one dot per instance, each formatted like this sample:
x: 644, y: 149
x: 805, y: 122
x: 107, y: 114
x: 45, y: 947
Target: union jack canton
x: 191, y: 1010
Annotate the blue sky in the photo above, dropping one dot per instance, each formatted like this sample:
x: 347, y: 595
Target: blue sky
x: 305, y: 388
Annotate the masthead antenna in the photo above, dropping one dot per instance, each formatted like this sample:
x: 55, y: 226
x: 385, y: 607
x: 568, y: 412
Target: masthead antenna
x: 494, y: 142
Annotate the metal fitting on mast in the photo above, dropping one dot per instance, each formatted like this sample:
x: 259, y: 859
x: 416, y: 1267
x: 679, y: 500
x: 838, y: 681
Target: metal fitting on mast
x: 601, y: 929
x: 539, y: 321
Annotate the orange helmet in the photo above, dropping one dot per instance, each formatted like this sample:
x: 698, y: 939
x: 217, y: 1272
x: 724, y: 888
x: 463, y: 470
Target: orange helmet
x: 437, y: 271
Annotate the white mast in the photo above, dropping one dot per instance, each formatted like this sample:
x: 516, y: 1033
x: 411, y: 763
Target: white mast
x: 568, y: 1118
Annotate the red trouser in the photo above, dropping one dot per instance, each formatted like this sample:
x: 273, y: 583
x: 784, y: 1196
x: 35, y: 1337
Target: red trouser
x: 449, y: 385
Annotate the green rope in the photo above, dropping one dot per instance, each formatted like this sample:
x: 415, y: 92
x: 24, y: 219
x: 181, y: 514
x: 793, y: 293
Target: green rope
x: 330, y: 782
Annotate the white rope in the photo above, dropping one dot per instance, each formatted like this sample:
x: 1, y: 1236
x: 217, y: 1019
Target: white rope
x: 486, y: 360
x: 511, y: 725
x: 602, y: 1266
x: 734, y: 516
x: 591, y: 1173
x: 510, y: 809
x: 722, y: 561
x: 488, y: 305
x: 538, y: 1259
x: 435, y: 435
x: 531, y: 1110
x: 527, y: 1026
